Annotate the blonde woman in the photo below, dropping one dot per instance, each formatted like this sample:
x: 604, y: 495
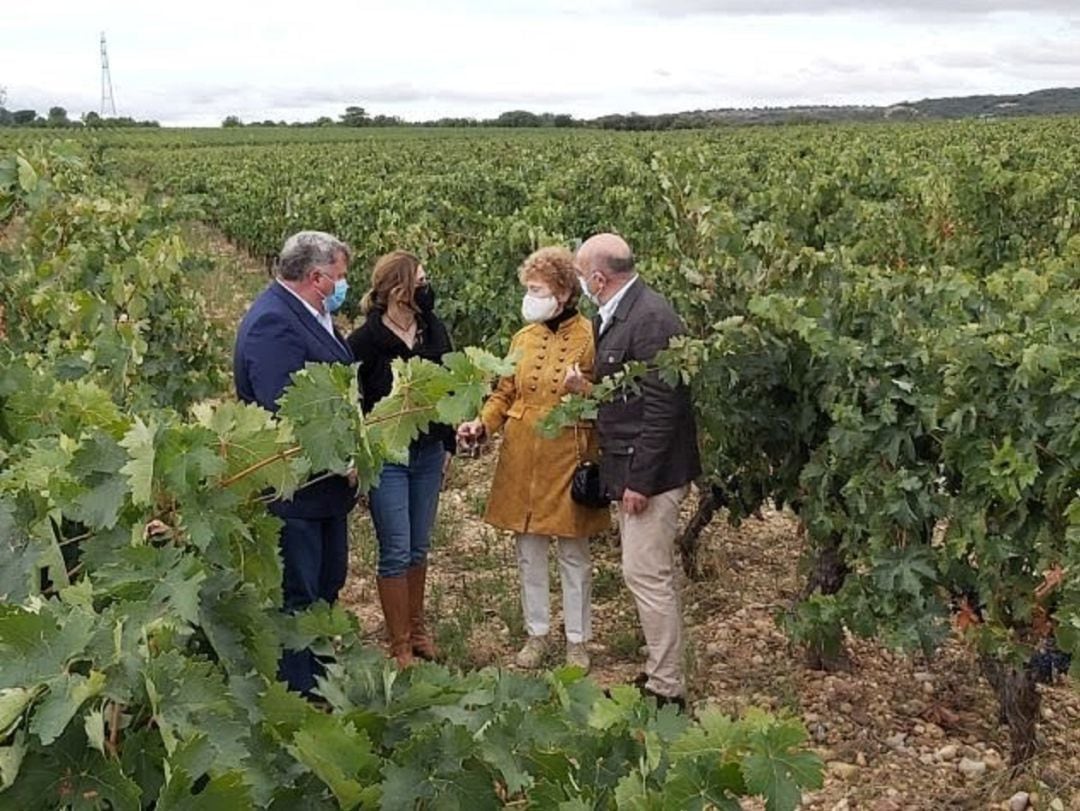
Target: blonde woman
x: 530, y: 494
x: 400, y: 323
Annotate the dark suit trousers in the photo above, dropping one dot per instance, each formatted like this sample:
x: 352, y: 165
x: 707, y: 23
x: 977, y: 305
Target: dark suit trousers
x: 315, y: 557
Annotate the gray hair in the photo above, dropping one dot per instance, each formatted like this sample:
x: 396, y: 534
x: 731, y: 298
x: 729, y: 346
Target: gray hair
x: 306, y: 250
x: 619, y: 265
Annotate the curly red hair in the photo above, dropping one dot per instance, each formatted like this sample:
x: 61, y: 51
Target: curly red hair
x: 554, y: 266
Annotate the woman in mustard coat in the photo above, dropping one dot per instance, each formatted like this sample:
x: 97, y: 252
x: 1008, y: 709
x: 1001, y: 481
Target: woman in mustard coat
x: 530, y: 494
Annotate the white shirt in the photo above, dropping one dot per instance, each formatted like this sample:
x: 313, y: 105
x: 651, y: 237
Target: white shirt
x: 323, y: 317
x: 607, y: 309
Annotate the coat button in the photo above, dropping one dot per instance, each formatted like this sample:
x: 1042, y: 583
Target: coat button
x: 532, y: 388
x: 610, y: 358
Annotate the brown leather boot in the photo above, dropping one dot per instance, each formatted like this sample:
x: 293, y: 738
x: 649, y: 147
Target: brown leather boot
x: 422, y: 643
x: 394, y: 596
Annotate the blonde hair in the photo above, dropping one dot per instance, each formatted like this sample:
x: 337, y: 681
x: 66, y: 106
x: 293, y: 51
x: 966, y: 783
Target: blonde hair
x: 394, y: 277
x: 554, y: 266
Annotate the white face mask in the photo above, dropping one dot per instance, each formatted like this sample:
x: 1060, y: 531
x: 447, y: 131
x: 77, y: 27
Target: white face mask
x: 585, y: 289
x: 538, y: 308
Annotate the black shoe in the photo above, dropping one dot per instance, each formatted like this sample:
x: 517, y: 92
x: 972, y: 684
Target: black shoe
x: 663, y: 701
x: 638, y: 683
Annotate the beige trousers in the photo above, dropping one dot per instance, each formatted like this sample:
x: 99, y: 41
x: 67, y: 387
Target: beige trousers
x: 648, y: 563
x: 575, y: 570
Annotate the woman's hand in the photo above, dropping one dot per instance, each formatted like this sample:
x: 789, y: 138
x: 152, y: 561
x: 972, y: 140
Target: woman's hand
x: 575, y: 382
x: 470, y: 435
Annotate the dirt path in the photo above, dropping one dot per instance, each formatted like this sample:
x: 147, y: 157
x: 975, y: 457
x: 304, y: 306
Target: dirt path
x: 894, y: 730
x: 234, y: 280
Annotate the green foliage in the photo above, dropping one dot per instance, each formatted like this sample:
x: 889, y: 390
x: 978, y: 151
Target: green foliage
x: 98, y: 285
x: 139, y: 670
x: 883, y: 324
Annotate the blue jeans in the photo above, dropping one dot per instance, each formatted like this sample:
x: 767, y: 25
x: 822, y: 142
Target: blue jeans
x: 315, y: 558
x: 403, y: 507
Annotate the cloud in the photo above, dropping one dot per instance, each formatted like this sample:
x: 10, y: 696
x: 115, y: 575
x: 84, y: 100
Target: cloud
x: 680, y: 8
x: 965, y: 60
x: 481, y: 57
x: 1041, y: 52
x: 1018, y: 55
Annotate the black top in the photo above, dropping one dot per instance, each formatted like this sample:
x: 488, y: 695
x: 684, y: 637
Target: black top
x: 375, y: 347
x: 553, y: 324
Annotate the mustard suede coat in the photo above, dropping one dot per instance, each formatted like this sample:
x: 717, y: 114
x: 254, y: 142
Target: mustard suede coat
x: 531, y: 489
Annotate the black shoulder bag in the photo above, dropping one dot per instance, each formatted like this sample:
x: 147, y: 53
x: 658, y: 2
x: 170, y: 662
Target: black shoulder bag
x: 585, y: 487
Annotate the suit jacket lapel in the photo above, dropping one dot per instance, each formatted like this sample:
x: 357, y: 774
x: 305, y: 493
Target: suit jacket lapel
x: 334, y: 342
x: 622, y: 312
x: 341, y: 340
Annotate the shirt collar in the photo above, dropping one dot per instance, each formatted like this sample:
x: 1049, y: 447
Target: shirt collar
x: 323, y: 317
x: 607, y: 309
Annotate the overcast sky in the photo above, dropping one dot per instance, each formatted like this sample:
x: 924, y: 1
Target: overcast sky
x: 196, y: 61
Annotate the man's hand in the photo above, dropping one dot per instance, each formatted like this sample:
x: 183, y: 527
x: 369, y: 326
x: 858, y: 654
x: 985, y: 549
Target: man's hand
x: 575, y: 382
x: 634, y: 503
x: 352, y: 477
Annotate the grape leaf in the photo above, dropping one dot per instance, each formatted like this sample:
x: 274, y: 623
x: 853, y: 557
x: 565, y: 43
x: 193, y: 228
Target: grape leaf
x: 716, y: 734
x: 11, y: 758
x: 36, y: 647
x: 139, y: 469
x: 695, y: 784
x: 776, y: 770
x: 225, y: 792
x: 341, y: 756
x: 20, y: 576
x: 13, y: 700
x: 94, y: 724
x: 66, y: 693
x: 404, y: 786
x: 471, y: 383
x: 322, y: 404
x: 319, y: 620
x: 189, y: 698
x: 71, y: 774
x: 412, y: 404
x: 96, y: 464
x: 253, y: 445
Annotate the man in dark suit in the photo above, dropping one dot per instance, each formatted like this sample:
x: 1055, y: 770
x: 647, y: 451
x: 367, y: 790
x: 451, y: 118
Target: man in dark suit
x: 287, y: 326
x: 648, y: 450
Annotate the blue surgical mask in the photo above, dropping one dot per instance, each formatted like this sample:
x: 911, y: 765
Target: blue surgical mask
x: 334, y: 301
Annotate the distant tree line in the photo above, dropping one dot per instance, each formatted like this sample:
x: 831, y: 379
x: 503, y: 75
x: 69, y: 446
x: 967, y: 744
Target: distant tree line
x: 57, y: 118
x: 359, y: 117
x: 1054, y: 101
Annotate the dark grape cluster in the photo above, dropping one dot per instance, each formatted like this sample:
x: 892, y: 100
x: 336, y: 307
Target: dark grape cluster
x: 1048, y: 663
